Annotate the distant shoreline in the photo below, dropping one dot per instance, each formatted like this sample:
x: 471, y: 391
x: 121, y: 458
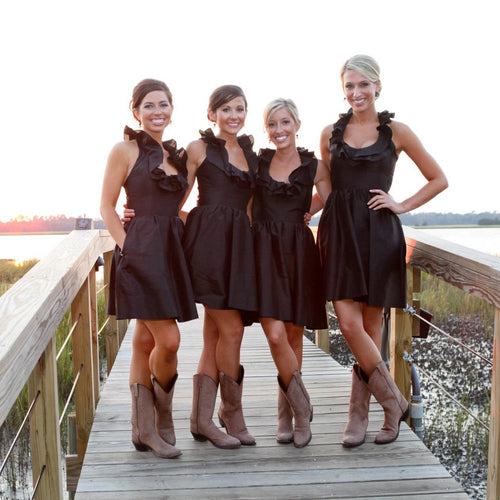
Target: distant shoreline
x: 34, y: 233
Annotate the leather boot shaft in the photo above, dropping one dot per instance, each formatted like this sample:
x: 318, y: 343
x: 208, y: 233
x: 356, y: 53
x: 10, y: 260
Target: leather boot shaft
x: 359, y: 405
x: 231, y: 410
x: 163, y: 409
x: 298, y: 398
x: 144, y: 435
x: 202, y: 425
x: 395, y: 406
x: 284, y: 432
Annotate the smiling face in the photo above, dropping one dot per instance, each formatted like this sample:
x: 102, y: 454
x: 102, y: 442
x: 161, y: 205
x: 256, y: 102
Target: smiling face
x: 282, y: 128
x: 359, y: 91
x: 154, y: 112
x: 230, y: 117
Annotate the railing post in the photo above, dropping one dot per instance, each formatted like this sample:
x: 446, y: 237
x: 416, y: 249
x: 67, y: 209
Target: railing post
x: 83, y: 365
x: 112, y: 336
x: 401, y: 341
x: 493, y: 481
x: 44, y: 426
x: 94, y: 335
x: 322, y: 337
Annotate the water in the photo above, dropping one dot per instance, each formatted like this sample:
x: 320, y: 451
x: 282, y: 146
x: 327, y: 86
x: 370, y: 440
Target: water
x: 484, y: 239
x: 28, y: 246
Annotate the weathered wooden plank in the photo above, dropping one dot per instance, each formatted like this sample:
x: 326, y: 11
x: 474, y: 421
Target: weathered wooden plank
x: 475, y: 272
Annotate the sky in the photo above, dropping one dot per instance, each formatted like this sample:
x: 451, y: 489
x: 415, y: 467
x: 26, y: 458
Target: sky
x: 68, y: 70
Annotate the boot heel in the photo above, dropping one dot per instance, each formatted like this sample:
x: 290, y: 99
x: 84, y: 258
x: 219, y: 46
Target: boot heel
x: 140, y: 446
x: 199, y: 437
x: 311, y: 418
x: 405, y: 414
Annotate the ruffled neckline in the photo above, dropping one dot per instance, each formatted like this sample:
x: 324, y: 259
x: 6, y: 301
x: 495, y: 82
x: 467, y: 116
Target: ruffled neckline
x: 301, y: 176
x: 217, y: 152
x: 368, y: 152
x: 154, y: 154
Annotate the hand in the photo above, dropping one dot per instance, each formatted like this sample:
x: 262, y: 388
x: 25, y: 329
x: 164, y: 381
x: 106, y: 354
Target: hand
x: 307, y: 218
x: 381, y: 199
x: 128, y: 214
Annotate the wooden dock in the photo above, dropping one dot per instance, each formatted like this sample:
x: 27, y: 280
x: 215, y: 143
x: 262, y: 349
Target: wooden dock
x: 323, y: 469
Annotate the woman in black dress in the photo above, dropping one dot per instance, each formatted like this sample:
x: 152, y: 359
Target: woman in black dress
x: 287, y: 261
x: 150, y: 280
x: 361, y: 241
x: 219, y: 251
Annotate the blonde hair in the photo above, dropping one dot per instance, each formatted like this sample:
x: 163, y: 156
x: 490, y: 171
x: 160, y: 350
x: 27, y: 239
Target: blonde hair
x: 364, y: 65
x: 280, y: 103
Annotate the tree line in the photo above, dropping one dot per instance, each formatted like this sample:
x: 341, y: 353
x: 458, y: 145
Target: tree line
x: 63, y: 223
x: 443, y: 219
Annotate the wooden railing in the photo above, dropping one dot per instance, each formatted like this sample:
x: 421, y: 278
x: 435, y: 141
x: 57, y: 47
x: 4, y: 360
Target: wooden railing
x: 474, y: 272
x: 29, y: 315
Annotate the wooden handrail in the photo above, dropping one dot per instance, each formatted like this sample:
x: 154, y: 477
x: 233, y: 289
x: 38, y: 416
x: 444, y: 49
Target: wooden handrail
x: 29, y: 315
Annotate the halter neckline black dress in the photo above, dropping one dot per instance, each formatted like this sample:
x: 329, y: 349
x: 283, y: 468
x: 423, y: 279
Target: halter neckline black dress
x: 362, y: 250
x: 286, y: 256
x: 149, y: 277
x: 218, y: 240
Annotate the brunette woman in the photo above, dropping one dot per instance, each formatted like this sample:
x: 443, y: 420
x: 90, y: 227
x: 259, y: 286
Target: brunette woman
x: 150, y: 279
x: 219, y: 251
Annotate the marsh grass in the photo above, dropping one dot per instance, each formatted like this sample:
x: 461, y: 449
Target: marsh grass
x: 16, y: 478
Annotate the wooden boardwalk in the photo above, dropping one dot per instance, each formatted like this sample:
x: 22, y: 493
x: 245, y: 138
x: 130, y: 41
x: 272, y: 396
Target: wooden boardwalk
x: 323, y: 469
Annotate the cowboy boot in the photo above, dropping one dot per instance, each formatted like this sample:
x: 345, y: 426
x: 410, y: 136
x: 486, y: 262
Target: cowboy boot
x: 144, y: 435
x: 284, y: 432
x: 357, y: 420
x: 298, y: 398
x: 163, y: 409
x: 395, y: 406
x: 202, y: 425
x: 231, y: 411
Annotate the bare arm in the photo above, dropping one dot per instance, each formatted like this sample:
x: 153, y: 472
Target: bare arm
x: 405, y: 140
x: 322, y: 180
x: 196, y: 153
x: 323, y: 188
x: 116, y: 172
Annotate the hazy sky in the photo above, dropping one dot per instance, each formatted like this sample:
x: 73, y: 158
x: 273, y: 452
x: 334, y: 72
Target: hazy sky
x: 68, y: 70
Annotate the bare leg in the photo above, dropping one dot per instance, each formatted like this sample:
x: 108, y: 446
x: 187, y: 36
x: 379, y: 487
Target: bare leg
x: 142, y: 345
x: 295, y: 334
x: 230, y: 327
x: 207, y: 364
x: 351, y: 316
x: 282, y: 352
x: 163, y: 357
x: 372, y: 323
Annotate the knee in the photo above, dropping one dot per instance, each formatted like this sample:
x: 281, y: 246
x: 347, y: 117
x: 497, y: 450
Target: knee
x: 275, y: 338
x: 349, y: 328
x: 170, y: 345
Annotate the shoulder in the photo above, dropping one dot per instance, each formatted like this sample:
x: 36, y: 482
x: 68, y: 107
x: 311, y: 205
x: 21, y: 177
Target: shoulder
x: 327, y: 131
x: 402, y: 135
x: 196, y: 151
x: 197, y: 146
x: 124, y: 151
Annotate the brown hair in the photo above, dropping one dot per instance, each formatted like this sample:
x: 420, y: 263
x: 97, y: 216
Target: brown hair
x: 222, y: 95
x: 144, y: 87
